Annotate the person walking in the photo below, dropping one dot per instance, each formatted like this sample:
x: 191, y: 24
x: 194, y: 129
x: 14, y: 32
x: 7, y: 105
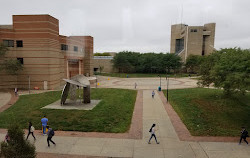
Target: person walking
x: 7, y: 138
x: 244, y: 135
x: 153, y: 94
x: 50, y: 134
x: 44, y: 121
x: 16, y: 90
x: 31, y: 131
x: 135, y: 85
x: 152, y: 131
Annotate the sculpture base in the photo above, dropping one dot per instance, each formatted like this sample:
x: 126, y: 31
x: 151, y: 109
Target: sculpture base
x: 70, y: 105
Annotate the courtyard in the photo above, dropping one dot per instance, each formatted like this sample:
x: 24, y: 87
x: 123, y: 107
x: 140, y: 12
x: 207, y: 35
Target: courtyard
x: 133, y: 143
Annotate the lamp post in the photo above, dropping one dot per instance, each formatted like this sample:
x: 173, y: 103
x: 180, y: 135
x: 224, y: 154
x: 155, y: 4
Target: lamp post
x: 29, y: 83
x: 160, y: 83
x: 167, y: 78
x: 96, y: 81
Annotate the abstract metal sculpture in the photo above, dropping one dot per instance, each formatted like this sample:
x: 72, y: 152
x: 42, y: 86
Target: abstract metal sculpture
x: 76, y: 81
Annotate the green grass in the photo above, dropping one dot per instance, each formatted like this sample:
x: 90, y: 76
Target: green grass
x: 207, y: 112
x: 138, y: 75
x: 113, y: 114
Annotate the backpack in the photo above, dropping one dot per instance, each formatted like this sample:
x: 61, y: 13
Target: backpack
x: 150, y: 130
x: 52, y: 132
x: 32, y: 129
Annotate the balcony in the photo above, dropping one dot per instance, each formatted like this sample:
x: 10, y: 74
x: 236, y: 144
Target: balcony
x: 206, y: 33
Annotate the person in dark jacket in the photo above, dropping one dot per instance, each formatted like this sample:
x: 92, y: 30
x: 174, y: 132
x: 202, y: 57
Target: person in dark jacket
x: 244, y: 135
x: 152, y: 131
x: 31, y: 131
x: 50, y: 135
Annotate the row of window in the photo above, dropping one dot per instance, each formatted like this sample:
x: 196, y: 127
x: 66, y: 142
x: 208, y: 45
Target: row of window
x: 10, y: 43
x: 66, y: 47
x: 19, y: 43
x: 193, y: 30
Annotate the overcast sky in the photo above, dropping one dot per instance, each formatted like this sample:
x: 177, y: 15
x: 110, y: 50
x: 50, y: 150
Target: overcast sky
x: 139, y: 25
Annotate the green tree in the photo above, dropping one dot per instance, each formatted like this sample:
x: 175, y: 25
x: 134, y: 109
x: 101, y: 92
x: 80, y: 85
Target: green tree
x: 101, y: 68
x: 172, y: 62
x: 120, y: 61
x: 17, y: 146
x: 193, y: 63
x: 11, y: 66
x: 102, y: 54
x: 228, y: 69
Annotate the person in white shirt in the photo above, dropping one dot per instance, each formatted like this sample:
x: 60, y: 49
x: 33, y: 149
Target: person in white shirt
x: 153, y: 94
x: 152, y: 131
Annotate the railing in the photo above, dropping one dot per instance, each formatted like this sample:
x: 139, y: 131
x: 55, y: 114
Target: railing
x: 103, y: 57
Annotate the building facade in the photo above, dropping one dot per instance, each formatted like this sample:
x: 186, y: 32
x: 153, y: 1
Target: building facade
x: 105, y: 62
x: 196, y: 40
x: 47, y: 57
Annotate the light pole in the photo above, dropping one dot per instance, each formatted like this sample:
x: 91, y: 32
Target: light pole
x: 160, y: 83
x: 29, y: 83
x: 96, y: 81
x: 167, y: 78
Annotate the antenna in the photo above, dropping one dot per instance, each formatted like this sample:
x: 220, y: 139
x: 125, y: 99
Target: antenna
x: 181, y: 13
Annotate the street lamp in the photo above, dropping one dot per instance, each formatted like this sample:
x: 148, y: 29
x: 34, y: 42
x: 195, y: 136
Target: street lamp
x: 167, y: 78
x: 159, y: 89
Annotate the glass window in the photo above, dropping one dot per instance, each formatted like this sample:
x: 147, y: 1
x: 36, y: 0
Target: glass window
x: 8, y: 43
x: 19, y: 43
x: 75, y: 48
x: 64, y: 47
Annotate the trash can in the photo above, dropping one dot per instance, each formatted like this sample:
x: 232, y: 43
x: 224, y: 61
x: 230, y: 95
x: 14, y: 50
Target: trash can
x: 159, y: 88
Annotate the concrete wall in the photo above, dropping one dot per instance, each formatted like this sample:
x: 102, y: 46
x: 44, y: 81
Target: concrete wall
x: 198, y: 42
x: 106, y: 63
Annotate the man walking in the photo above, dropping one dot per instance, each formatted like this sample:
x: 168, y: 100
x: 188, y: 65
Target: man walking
x: 135, y: 85
x: 244, y: 135
x: 44, y: 121
x: 50, y: 134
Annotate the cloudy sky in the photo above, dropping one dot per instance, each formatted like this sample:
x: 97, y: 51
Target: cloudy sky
x: 139, y: 25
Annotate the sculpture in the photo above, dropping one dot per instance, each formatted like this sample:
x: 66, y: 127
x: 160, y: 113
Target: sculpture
x: 76, y: 81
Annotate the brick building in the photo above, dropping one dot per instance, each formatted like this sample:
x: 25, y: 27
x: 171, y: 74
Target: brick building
x: 47, y: 57
x: 196, y: 40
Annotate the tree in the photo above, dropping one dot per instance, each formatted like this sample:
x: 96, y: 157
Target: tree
x: 193, y: 63
x: 102, y: 54
x: 11, y: 66
x: 228, y: 69
x: 101, y: 68
x: 121, y: 62
x: 17, y: 146
x: 172, y: 62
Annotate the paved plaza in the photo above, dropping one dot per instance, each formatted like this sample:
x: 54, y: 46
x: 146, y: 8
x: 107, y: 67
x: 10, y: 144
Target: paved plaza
x: 153, y: 112
x: 145, y: 83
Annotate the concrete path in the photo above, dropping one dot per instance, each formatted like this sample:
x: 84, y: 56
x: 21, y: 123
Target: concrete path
x: 170, y: 146
x: 4, y: 98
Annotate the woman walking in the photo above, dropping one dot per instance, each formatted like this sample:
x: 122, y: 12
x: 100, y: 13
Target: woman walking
x: 152, y: 131
x: 31, y: 131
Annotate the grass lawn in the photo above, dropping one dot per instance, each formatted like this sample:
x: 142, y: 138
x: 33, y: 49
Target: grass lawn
x: 206, y: 112
x: 113, y: 114
x: 138, y: 75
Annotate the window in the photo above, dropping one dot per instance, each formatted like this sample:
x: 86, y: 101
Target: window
x: 75, y: 48
x: 19, y: 43
x: 20, y: 60
x: 193, y: 30
x: 8, y: 43
x: 64, y: 47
